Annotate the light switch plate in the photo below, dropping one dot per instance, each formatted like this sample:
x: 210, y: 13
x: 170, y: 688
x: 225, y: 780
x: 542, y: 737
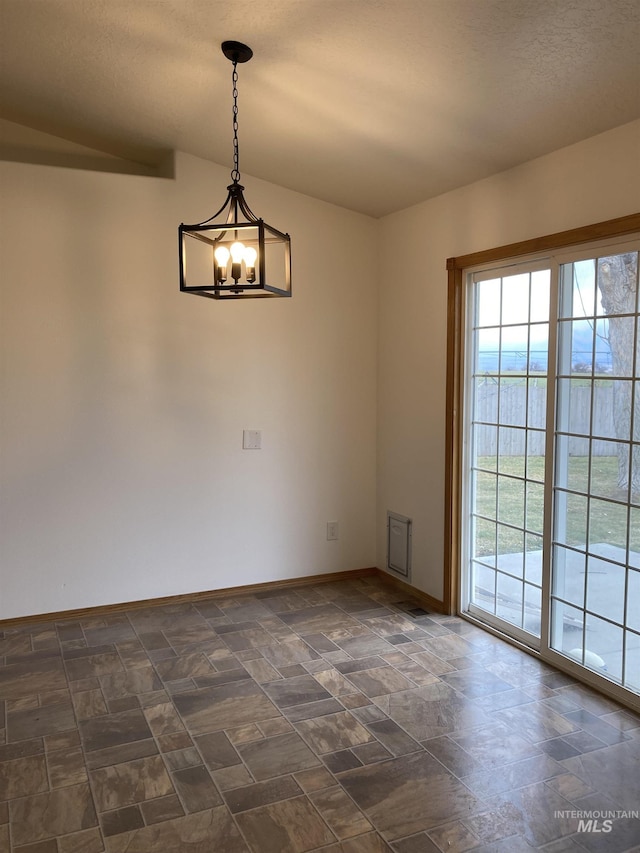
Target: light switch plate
x: 252, y: 439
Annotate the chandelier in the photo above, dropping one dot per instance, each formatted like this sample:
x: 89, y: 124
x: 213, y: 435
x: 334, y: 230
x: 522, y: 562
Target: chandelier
x: 234, y: 254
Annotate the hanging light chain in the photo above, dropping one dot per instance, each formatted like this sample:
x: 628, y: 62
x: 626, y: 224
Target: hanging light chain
x: 235, y: 172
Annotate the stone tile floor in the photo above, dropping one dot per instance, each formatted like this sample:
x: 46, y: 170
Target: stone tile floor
x: 331, y: 717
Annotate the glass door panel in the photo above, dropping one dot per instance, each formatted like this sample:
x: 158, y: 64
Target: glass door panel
x: 594, y: 581
x: 509, y: 362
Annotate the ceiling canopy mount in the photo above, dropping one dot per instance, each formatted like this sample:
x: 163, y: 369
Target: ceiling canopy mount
x: 235, y: 51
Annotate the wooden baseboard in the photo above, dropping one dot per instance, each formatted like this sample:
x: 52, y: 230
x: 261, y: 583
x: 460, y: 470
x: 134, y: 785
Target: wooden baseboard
x: 185, y: 598
x: 424, y: 598
x: 190, y: 597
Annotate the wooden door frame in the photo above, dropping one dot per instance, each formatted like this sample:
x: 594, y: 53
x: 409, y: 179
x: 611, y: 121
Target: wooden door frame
x: 455, y: 361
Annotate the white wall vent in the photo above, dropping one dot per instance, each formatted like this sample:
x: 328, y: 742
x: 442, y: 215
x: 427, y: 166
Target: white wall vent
x: 399, y: 544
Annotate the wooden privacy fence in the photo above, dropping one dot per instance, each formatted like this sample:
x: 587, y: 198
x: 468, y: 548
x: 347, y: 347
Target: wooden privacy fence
x: 516, y: 411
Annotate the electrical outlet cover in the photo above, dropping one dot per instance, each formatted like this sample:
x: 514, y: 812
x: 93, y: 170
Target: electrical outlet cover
x: 252, y: 439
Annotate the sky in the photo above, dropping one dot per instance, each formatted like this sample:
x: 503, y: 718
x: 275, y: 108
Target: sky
x: 525, y: 298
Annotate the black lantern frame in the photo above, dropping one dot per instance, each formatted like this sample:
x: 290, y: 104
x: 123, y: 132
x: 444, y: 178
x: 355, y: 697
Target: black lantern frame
x: 203, y: 275
x: 228, y: 257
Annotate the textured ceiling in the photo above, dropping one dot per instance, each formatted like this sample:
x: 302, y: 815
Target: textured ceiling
x: 370, y: 104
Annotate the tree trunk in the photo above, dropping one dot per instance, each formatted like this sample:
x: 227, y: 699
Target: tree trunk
x: 618, y: 285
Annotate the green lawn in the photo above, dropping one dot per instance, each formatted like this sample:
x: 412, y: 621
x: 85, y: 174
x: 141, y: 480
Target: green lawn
x: 608, y: 521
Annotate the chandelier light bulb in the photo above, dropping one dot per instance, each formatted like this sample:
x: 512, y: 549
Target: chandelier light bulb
x: 237, y: 252
x: 250, y: 256
x: 222, y: 256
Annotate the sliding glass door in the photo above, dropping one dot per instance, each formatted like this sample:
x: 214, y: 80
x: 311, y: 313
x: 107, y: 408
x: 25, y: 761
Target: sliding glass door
x: 551, y: 493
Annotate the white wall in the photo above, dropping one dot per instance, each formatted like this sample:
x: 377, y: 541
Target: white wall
x: 592, y: 181
x: 123, y: 400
